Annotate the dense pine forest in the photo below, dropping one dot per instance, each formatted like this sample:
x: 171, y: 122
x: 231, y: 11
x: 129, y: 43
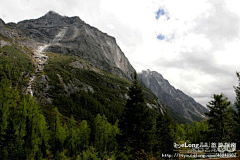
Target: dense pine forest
x: 139, y: 133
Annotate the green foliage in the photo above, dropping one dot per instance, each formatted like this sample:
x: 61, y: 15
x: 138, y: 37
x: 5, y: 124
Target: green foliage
x: 85, y: 107
x: 164, y: 135
x: 90, y: 154
x: 23, y: 127
x: 138, y: 124
x: 9, y: 100
x: 105, y: 136
x: 108, y: 97
x: 219, y: 127
x: 77, y: 137
x: 36, y: 127
x: 83, y: 135
x: 61, y: 156
x: 237, y: 116
x: 58, y: 133
x: 196, y: 133
x: 71, y: 139
x: 14, y: 64
x: 220, y: 117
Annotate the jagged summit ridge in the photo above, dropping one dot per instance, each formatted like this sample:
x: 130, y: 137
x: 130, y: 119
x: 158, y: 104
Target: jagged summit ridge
x: 78, y: 39
x: 174, y: 98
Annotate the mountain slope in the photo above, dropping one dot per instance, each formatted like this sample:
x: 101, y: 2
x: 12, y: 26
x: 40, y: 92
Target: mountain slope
x: 66, y: 70
x: 71, y: 35
x: 178, y: 101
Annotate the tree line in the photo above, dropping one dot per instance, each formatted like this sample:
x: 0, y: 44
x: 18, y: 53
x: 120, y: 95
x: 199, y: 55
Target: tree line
x: 222, y: 123
x: 140, y: 133
x: 26, y: 133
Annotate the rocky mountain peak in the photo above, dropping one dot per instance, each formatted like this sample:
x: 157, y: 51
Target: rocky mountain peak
x: 71, y: 35
x: 174, y: 98
x: 51, y: 15
x: 57, y: 19
x: 152, y: 73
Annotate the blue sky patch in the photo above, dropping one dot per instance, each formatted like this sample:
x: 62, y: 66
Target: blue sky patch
x: 160, y: 37
x: 159, y: 13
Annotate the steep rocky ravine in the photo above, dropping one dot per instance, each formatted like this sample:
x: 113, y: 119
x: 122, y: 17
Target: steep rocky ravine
x: 40, y: 58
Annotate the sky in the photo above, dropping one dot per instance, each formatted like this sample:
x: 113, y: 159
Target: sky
x: 194, y: 44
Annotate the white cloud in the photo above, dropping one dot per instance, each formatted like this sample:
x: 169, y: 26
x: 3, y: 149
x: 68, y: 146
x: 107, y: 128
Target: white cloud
x: 200, y: 51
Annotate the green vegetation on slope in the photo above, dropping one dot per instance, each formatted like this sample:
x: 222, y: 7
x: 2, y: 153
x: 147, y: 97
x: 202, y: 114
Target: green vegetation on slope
x: 15, y: 63
x: 107, y: 93
x: 25, y: 133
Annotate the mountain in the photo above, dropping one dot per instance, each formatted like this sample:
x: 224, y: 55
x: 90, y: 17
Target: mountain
x: 71, y: 35
x: 175, y: 99
x: 65, y: 63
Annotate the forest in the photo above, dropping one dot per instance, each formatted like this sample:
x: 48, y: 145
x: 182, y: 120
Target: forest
x: 140, y: 133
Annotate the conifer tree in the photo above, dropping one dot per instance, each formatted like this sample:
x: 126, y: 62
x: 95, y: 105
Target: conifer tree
x: 58, y: 133
x: 83, y: 138
x: 36, y: 128
x: 71, y: 139
x: 138, y: 124
x: 237, y: 117
x: 219, y: 118
x: 164, y: 135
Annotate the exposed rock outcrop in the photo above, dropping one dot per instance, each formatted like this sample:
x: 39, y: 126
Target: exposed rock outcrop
x: 70, y: 35
x: 174, y: 98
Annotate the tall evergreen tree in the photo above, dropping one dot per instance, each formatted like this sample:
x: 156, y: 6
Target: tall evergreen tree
x: 58, y: 134
x: 219, y: 118
x: 237, y: 117
x: 83, y: 136
x: 138, y: 124
x: 71, y: 139
x: 164, y: 135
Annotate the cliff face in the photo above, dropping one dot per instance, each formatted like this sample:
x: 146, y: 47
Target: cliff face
x: 71, y: 35
x: 174, y: 98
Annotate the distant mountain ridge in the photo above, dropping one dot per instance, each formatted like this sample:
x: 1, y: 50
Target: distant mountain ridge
x: 178, y: 101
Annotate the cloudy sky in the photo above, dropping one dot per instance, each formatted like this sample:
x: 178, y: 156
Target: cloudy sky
x: 195, y: 44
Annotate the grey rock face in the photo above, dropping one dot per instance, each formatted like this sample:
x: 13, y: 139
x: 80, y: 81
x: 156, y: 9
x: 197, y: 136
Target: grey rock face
x: 174, y: 98
x: 6, y: 31
x: 70, y: 35
x: 4, y: 43
x: 2, y: 23
x: 41, y: 88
